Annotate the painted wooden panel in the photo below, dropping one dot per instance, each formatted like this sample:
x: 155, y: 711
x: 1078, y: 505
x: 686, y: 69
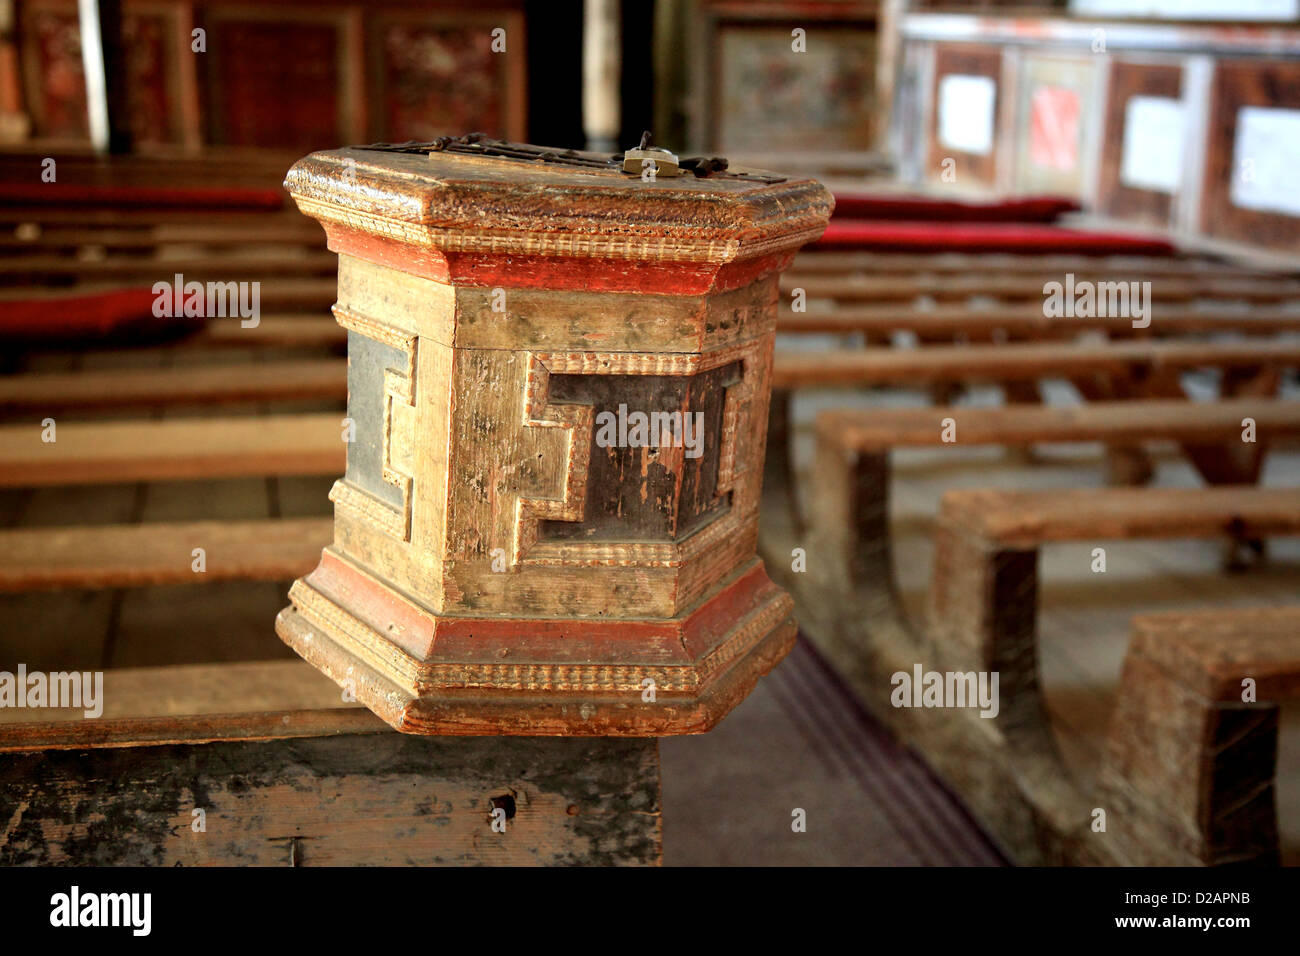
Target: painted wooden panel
x: 1055, y: 100
x: 769, y: 97
x: 54, y: 80
x: 436, y: 74
x: 252, y: 61
x: 1253, y: 152
x: 962, y: 75
x: 1143, y: 142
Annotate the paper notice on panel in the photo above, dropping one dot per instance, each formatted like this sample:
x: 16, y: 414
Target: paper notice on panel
x: 1152, y: 156
x: 966, y: 113
x: 1266, y: 160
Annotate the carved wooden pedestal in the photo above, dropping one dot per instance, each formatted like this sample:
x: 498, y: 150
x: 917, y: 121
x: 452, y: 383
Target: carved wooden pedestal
x: 558, y: 388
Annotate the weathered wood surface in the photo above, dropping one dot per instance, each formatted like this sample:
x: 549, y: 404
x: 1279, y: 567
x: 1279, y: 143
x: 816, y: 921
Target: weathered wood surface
x: 44, y: 239
x: 1029, y: 286
x: 226, y: 267
x: 871, y: 430
x: 1016, y: 321
x: 288, y: 773
x: 286, y: 294
x: 116, y: 556
x: 209, y: 384
x: 1020, y: 361
x: 871, y: 263
x: 192, y: 704
x: 368, y: 800
x: 501, y: 564
x: 101, y: 452
x: 1014, y: 519
x: 1188, y: 774
x: 1008, y: 768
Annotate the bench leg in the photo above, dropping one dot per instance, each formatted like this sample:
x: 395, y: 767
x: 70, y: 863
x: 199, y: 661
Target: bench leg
x: 849, y: 510
x: 1187, y: 780
x: 983, y: 617
x: 779, y: 489
x: 355, y: 799
x: 1126, y: 465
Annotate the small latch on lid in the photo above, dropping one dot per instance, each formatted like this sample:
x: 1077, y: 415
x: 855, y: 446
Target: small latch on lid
x: 650, y: 162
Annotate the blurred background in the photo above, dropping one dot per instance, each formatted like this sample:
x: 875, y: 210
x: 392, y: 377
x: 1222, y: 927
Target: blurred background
x: 1174, y: 115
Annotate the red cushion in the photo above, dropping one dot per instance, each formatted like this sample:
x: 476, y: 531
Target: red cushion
x: 55, y: 321
x: 984, y: 237
x: 140, y: 196
x: 1022, y: 209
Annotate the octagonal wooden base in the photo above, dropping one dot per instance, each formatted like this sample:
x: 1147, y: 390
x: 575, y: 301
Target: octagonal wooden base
x: 545, y: 677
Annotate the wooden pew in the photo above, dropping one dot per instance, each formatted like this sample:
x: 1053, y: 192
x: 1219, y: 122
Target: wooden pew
x: 158, y: 553
x: 879, y: 323
x: 178, y: 449
x: 205, y: 384
x: 982, y: 618
x: 1046, y: 263
x: 1189, y: 768
x: 174, y: 779
x: 1133, y: 362
x: 850, y: 480
x: 906, y: 288
x: 223, y: 267
x: 62, y: 238
x: 983, y: 595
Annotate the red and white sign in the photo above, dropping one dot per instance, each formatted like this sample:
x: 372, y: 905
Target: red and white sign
x: 1054, y: 128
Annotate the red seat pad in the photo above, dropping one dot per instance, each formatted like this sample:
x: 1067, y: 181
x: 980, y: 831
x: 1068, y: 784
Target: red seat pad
x: 140, y: 196
x: 66, y: 319
x: 1020, y: 209
x: 901, y: 236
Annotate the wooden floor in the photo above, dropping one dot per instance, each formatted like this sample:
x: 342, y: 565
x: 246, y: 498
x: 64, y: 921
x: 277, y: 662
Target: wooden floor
x: 1084, y: 617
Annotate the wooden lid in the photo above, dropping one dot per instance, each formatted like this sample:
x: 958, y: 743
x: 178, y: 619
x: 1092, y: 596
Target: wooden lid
x: 457, y: 196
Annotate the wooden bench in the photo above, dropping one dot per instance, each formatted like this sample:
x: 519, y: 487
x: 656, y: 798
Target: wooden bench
x: 982, y: 617
x: 58, y: 269
x: 104, y: 452
x: 206, y: 384
x: 848, y: 494
x: 974, y: 237
x: 1022, y: 361
x: 264, y: 763
x: 1050, y: 263
x: 983, y: 594
x: 1189, y: 768
x: 1022, y: 287
x: 946, y: 323
x: 158, y: 553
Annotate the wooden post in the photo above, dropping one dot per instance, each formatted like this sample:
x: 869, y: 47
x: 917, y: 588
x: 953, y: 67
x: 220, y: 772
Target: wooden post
x: 558, y: 392
x: 103, y: 60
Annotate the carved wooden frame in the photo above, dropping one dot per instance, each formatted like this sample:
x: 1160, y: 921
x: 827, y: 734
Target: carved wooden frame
x: 578, y: 419
x: 398, y: 432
